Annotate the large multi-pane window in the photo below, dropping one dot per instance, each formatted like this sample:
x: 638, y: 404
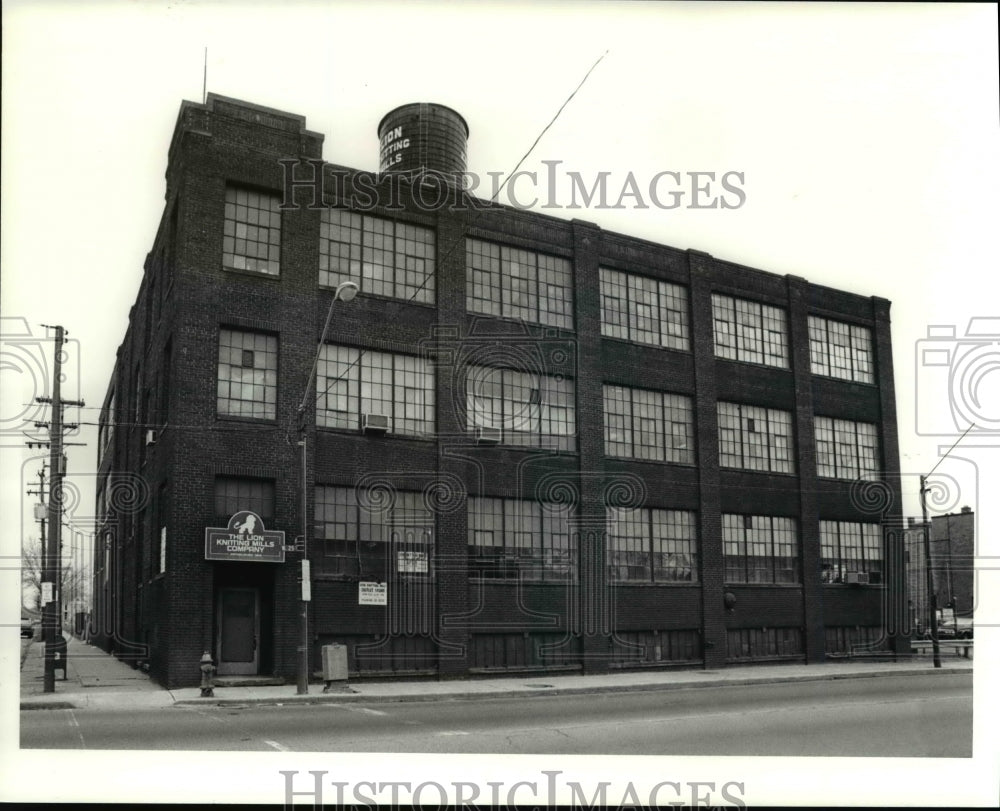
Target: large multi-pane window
x: 850, y: 547
x: 351, y: 383
x: 515, y: 538
x: 235, y: 494
x: 645, y: 424
x: 644, y: 310
x: 760, y: 549
x: 846, y: 449
x: 750, y: 332
x: 248, y: 374
x: 369, y: 535
x: 652, y: 546
x: 755, y: 438
x: 252, y: 231
x: 527, y: 409
x: 840, y: 350
x: 384, y: 257
x: 515, y: 283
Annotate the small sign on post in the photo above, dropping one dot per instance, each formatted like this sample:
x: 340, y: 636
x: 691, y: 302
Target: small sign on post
x: 372, y: 594
x: 306, y: 581
x: 47, y: 593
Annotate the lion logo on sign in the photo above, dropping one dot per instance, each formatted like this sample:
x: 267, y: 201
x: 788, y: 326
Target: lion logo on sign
x: 247, y: 527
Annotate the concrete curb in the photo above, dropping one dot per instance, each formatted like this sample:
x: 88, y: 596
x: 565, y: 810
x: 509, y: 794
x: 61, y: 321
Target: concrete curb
x: 48, y: 705
x: 166, y: 699
x: 533, y: 692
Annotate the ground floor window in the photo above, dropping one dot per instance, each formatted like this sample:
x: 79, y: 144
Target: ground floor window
x: 652, y: 546
x: 365, y: 533
x: 235, y: 494
x: 515, y: 538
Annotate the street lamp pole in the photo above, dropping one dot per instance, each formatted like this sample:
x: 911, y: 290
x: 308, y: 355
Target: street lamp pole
x: 345, y: 292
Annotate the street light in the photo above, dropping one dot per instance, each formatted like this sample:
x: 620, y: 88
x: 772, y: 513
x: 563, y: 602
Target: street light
x: 345, y: 291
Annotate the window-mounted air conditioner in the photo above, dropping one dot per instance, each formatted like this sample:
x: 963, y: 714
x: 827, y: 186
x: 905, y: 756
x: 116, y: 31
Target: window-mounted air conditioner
x: 374, y: 423
x: 151, y: 437
x: 856, y: 578
x: 488, y: 436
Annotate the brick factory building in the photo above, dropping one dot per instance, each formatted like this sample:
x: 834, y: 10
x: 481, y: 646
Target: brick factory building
x: 531, y: 444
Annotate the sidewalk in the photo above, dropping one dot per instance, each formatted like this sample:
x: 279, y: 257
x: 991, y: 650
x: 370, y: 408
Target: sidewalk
x: 96, y: 680
x: 93, y: 679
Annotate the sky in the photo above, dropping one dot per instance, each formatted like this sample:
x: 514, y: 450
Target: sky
x: 865, y: 135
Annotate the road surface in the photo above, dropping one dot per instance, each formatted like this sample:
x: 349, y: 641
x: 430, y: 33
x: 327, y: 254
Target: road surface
x: 887, y: 716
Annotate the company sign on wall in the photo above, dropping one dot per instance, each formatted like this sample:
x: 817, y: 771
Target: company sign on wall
x: 245, y: 539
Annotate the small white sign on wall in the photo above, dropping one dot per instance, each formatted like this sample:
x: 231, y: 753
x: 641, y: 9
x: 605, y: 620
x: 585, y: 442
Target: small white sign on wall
x: 372, y: 594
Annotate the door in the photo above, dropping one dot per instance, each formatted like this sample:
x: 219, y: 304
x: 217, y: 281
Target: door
x: 239, y: 629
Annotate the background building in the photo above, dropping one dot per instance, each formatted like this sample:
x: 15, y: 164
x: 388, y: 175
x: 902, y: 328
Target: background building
x: 533, y: 444
x: 952, y: 544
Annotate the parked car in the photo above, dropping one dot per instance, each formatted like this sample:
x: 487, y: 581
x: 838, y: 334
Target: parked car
x: 960, y: 629
x: 947, y: 631
x: 27, y: 627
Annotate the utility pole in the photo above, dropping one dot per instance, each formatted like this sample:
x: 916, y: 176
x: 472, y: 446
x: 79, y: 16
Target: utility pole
x: 50, y: 569
x: 931, y: 595
x: 52, y: 544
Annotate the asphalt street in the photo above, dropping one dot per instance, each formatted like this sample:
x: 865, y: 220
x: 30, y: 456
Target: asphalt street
x: 890, y: 716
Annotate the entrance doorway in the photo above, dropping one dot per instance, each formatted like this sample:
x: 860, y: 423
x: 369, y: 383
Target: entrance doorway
x: 239, y: 632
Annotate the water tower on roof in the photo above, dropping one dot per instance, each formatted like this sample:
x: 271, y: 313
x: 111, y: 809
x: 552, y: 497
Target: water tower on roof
x: 423, y: 136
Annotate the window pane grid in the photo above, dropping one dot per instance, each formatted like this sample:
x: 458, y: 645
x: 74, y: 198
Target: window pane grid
x: 247, y: 379
x: 516, y: 538
x: 251, y: 231
x: 614, y: 304
x: 749, y: 332
x: 760, y: 549
x: 644, y: 310
x: 383, y: 257
x: 845, y: 449
x: 530, y: 410
x: 648, y: 425
x: 518, y: 283
x: 358, y: 540
x: 233, y: 495
x: 839, y: 350
x: 755, y: 438
x: 853, y: 547
x: 351, y: 383
x: 651, y: 545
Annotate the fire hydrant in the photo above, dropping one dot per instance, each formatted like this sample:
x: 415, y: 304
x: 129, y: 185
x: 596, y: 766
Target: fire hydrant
x: 207, y: 672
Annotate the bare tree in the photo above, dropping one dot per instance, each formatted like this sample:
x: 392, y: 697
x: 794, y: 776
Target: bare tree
x: 72, y: 580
